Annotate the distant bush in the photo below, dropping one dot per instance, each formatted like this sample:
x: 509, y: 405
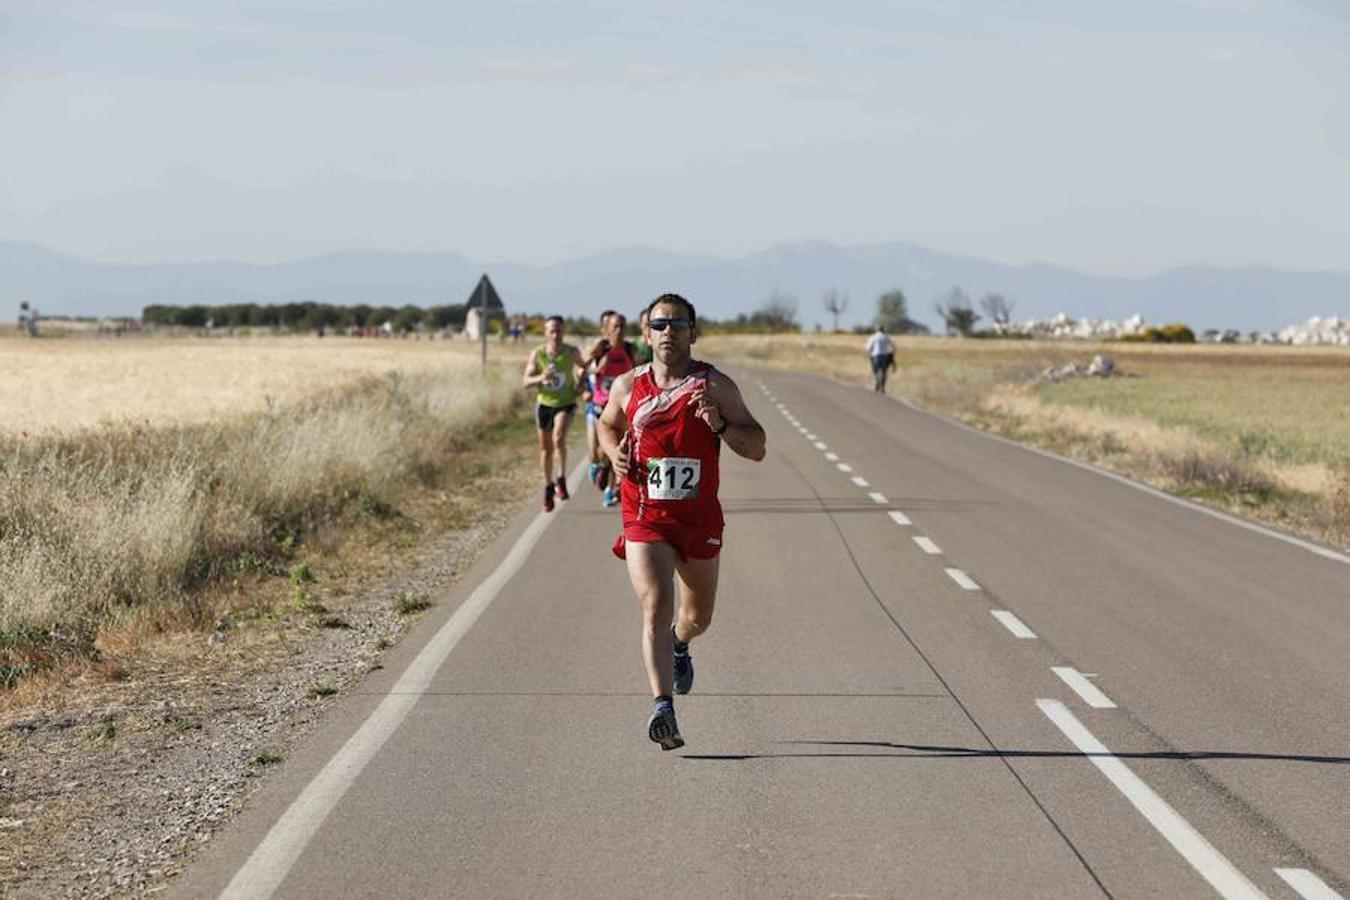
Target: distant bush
x: 1166, y: 334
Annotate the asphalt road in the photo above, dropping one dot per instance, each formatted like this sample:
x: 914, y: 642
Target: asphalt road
x: 941, y: 665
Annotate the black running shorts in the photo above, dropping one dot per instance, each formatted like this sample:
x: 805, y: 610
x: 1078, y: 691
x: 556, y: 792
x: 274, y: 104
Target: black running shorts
x: 544, y: 415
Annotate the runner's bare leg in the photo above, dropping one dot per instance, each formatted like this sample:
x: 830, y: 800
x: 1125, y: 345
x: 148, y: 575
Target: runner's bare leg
x: 651, y: 568
x: 560, y: 423
x: 593, y: 440
x: 698, y: 594
x: 546, y: 453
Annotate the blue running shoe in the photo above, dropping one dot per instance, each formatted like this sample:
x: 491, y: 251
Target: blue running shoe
x: 611, y: 496
x: 594, y: 472
x: 684, y: 670
x: 661, y: 727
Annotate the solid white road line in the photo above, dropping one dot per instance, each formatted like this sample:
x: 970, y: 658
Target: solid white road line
x: 897, y: 516
x: 1013, y: 624
x: 926, y: 545
x: 263, y: 872
x: 1308, y: 885
x: 878, y: 498
x: 967, y: 583
x: 1090, y: 693
x: 860, y: 482
x: 843, y: 467
x: 1212, y: 865
x: 832, y: 457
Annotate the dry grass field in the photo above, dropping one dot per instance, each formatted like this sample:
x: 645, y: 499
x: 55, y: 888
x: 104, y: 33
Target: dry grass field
x: 48, y: 385
x: 1264, y: 431
x: 135, y: 473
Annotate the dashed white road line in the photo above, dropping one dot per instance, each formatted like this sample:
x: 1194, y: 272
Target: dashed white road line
x: 927, y: 546
x: 1090, y: 693
x: 860, y: 482
x: 965, y: 581
x: 832, y: 457
x: 1212, y: 865
x: 896, y: 515
x: 843, y: 467
x: 810, y: 436
x: 878, y: 498
x: 1013, y: 624
x: 821, y: 445
x: 1308, y: 885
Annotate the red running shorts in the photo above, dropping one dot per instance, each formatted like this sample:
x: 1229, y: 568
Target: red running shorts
x: 689, y: 543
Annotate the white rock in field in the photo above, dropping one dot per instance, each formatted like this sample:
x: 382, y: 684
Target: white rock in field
x: 1101, y: 366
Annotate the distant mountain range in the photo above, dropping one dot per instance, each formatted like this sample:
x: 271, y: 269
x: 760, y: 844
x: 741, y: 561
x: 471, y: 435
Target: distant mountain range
x: 1243, y: 298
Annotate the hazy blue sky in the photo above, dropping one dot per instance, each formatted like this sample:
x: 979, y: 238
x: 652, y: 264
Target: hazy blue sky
x: 1107, y: 135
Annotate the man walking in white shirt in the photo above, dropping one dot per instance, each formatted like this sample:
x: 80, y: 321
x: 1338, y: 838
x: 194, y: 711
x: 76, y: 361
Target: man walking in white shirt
x: 881, y: 350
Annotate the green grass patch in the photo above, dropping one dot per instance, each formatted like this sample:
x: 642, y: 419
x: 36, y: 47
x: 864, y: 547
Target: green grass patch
x: 406, y: 604
x: 322, y: 689
x: 266, y: 756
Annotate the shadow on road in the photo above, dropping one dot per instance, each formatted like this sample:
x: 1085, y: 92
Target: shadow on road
x: 927, y: 751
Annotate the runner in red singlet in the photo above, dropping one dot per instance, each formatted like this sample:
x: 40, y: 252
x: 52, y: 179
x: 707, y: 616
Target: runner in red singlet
x: 611, y: 357
x: 662, y: 429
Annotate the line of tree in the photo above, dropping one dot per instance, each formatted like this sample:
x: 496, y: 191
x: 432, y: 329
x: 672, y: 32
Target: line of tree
x: 308, y: 316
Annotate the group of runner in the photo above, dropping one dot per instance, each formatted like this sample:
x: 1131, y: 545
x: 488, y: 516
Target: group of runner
x: 656, y: 420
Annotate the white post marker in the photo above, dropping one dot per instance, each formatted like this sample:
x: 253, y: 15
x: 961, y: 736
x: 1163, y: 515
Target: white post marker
x: 1090, y: 693
x: 1013, y: 624
x: 264, y: 871
x: 897, y: 516
x: 1212, y: 865
x: 1308, y: 885
x: 965, y: 581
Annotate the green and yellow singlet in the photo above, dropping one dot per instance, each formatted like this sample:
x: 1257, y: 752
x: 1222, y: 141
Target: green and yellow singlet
x: 559, y: 387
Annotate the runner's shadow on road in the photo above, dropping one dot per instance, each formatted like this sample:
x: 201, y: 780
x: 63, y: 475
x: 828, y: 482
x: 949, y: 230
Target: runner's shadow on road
x: 888, y: 749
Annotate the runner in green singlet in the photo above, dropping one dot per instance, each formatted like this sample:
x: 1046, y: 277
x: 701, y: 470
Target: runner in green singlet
x: 554, y: 368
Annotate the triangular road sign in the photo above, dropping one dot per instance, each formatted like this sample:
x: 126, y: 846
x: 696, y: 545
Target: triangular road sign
x: 485, y: 295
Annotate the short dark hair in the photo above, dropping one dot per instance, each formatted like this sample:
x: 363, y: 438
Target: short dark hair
x: 675, y: 298
x: 558, y: 319
x: 605, y: 315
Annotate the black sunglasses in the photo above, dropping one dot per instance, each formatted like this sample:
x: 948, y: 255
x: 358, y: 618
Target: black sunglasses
x: 662, y: 324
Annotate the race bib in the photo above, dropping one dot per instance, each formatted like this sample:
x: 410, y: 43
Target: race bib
x: 673, y: 478
x: 553, y: 379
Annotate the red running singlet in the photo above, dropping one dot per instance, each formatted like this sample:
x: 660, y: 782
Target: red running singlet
x: 615, y: 362
x: 670, y: 493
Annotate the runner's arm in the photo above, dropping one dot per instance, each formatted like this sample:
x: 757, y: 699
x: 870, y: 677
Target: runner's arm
x: 612, y: 427
x: 599, y: 347
x: 743, y: 433
x: 533, y: 376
